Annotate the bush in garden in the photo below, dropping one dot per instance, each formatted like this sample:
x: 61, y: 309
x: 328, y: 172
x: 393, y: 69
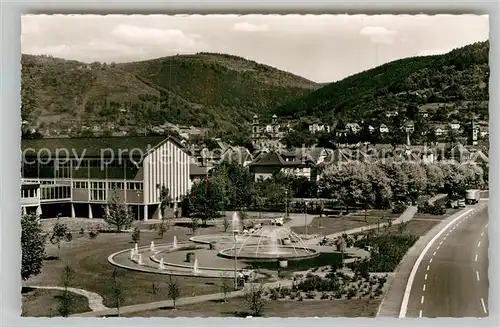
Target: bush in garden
x: 325, y: 296
x: 399, y: 208
x: 310, y: 295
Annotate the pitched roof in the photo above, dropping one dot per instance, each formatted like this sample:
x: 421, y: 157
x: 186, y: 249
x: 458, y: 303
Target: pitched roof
x: 93, y: 146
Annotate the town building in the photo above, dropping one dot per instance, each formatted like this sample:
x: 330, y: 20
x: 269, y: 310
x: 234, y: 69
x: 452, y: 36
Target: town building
x: 78, y: 176
x: 317, y: 127
x: 268, y: 135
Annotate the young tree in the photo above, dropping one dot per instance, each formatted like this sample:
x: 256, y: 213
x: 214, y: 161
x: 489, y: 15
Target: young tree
x: 32, y: 246
x: 194, y: 224
x: 60, y: 233
x: 66, y: 300
x: 173, y: 290
x: 225, y: 223
x: 162, y: 227
x: 225, y: 284
x: 116, y: 291
x: 165, y: 200
x: 118, y: 214
x: 136, y: 235
x: 254, y: 299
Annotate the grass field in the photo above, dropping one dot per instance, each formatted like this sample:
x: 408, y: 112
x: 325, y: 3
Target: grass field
x: 43, y: 303
x: 89, y: 259
x: 333, y: 224
x: 236, y: 307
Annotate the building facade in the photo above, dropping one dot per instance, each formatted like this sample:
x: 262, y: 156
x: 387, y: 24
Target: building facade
x: 78, y: 176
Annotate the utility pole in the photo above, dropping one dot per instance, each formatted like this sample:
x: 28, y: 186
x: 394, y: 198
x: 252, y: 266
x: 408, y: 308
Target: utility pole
x: 305, y: 216
x: 286, y: 203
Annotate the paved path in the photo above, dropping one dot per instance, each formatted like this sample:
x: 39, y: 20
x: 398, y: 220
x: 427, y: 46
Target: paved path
x: 179, y: 302
x: 391, y: 305
x: 95, y: 300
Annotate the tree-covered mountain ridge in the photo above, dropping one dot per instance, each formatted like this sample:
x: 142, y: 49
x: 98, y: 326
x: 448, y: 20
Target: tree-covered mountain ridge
x: 206, y: 89
x: 456, y: 82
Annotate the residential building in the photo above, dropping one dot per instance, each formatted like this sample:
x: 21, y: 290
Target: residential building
x: 455, y: 125
x: 316, y: 127
x: 353, y: 127
x: 383, y: 128
x: 392, y: 113
x: 268, y: 135
x: 78, y: 176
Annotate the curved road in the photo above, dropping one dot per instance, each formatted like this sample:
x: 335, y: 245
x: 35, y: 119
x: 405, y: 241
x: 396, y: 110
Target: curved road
x: 452, y: 279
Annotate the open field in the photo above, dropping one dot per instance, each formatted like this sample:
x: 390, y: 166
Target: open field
x: 333, y: 224
x: 89, y: 259
x: 236, y: 307
x: 449, y: 211
x: 43, y: 303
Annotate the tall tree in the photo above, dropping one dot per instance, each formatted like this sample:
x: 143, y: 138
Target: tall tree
x: 32, y: 246
x: 117, y: 214
x: 207, y: 198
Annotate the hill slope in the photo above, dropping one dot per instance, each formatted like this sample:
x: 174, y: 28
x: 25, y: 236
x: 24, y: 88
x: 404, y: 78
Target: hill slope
x: 457, y: 80
x: 213, y: 90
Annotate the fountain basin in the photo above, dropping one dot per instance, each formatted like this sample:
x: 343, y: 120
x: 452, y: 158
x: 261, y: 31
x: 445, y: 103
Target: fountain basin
x: 268, y: 253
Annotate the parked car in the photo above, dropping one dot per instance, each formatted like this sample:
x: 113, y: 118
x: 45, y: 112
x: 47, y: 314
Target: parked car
x: 277, y: 221
x: 461, y: 203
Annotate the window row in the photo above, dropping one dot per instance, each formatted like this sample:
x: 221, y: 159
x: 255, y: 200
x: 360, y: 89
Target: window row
x: 55, y: 192
x: 110, y: 185
x: 29, y: 193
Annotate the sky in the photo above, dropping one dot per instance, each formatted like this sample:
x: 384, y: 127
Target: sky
x: 321, y: 48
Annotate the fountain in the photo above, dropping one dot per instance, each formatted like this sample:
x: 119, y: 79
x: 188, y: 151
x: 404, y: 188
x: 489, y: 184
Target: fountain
x: 136, y: 249
x: 236, y: 222
x: 174, y: 245
x: 139, y: 259
x: 132, y: 254
x: 268, y: 244
x: 152, y: 247
x: 195, y: 266
x: 161, y: 266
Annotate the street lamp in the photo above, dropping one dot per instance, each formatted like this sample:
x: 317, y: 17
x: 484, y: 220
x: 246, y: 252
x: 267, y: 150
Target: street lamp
x: 305, y: 215
x: 235, y: 234
x: 138, y: 206
x: 286, y: 203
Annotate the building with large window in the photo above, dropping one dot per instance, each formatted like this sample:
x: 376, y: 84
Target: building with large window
x: 77, y: 176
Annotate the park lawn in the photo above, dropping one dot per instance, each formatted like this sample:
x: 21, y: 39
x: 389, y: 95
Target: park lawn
x: 333, y: 224
x: 236, y: 307
x: 449, y: 211
x: 89, y: 259
x: 43, y: 303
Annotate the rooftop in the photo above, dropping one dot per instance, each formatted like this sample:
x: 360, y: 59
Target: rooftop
x: 93, y: 146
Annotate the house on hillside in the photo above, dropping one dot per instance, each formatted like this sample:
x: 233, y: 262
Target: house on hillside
x: 383, y: 129
x: 392, y: 113
x: 268, y: 135
x: 81, y: 182
x: 455, y: 125
x: 353, y: 127
x: 317, y: 127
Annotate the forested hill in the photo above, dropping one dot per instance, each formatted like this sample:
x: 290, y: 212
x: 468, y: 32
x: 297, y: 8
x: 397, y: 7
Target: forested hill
x: 456, y: 82
x: 206, y: 89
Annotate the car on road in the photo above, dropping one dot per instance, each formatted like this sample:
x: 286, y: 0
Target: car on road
x: 461, y: 203
x: 277, y: 221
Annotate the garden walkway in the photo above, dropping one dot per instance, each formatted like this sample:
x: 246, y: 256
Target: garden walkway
x: 95, y: 300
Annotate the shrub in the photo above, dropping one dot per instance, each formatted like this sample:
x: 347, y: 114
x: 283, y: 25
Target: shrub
x: 399, y: 208
x: 93, y: 234
x: 82, y: 232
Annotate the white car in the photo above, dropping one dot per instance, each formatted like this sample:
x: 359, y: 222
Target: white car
x: 277, y: 221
